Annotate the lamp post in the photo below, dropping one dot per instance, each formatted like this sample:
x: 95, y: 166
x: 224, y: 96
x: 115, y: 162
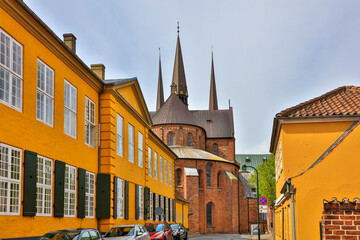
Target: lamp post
x: 244, y: 170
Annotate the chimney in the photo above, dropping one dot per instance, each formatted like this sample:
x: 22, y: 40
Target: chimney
x: 70, y: 41
x: 99, y: 70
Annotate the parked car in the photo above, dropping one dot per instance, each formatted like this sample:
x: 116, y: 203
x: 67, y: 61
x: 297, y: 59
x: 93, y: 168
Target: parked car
x: 159, y: 231
x: 73, y: 234
x: 127, y: 232
x: 179, y: 231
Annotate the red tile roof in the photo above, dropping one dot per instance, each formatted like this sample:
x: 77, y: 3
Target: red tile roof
x: 338, y: 102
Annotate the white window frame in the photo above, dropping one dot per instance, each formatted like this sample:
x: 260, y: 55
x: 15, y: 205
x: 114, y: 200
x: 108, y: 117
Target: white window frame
x: 8, y: 160
x: 70, y: 124
x: 44, y: 183
x: 89, y: 195
x: 170, y: 174
x: 150, y: 161
x: 131, y: 148
x: 151, y: 207
x: 141, y: 202
x: 156, y: 217
x: 156, y: 165
x: 140, y: 149
x: 46, y: 93
x: 161, y: 169
x: 70, y: 188
x: 167, y: 209
x: 90, y: 112
x: 166, y: 172
x: 120, y: 135
x: 171, y: 210
x: 13, y: 69
x: 120, y: 198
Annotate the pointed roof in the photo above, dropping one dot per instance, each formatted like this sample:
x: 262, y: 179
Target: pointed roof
x: 342, y: 101
x: 179, y: 79
x: 213, y: 103
x: 174, y: 111
x: 160, y: 90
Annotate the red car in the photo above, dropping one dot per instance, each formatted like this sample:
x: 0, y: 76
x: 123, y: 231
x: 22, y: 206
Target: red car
x: 160, y: 231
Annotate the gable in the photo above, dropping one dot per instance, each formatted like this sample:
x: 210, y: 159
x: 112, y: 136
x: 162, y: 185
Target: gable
x: 130, y: 91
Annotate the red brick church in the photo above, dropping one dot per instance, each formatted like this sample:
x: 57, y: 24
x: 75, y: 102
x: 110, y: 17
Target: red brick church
x: 206, y: 170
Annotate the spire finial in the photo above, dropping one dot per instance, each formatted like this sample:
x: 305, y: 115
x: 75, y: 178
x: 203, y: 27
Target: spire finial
x: 159, y: 54
x: 212, y: 51
x: 178, y: 28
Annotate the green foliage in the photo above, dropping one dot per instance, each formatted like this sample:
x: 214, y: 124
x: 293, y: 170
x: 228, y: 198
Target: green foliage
x: 266, y: 179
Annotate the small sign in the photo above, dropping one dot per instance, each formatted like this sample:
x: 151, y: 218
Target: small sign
x: 263, y: 207
x: 264, y: 216
x: 263, y: 201
x: 254, y: 229
x: 262, y: 210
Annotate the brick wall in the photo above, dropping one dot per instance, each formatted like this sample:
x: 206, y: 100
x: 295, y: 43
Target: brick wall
x: 341, y: 219
x: 226, y: 147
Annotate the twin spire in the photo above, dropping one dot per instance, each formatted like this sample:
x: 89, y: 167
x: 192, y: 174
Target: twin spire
x: 178, y: 85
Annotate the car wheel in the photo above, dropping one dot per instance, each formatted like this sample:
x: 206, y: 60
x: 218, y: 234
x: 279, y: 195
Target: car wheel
x: 186, y: 237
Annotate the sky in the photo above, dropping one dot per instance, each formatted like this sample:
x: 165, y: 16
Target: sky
x: 268, y: 55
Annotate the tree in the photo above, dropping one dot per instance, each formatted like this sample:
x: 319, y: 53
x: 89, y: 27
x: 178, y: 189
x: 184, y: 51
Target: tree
x: 267, y: 186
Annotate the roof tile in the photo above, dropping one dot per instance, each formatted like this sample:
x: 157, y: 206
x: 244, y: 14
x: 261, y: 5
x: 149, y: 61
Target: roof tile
x: 338, y: 102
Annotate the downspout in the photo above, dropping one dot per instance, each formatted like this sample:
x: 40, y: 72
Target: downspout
x: 291, y: 192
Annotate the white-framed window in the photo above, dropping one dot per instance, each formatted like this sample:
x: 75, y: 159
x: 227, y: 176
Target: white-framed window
x: 10, y: 180
x: 70, y: 191
x: 11, y: 71
x: 45, y: 94
x: 156, y: 205
x: 171, y: 210
x: 89, y: 122
x: 162, y: 204
x: 167, y: 209
x: 166, y: 172
x: 151, y: 207
x: 70, y: 99
x: 131, y: 143
x: 150, y: 161
x: 120, y: 136
x: 120, y: 198
x: 89, y: 194
x: 156, y: 165
x: 140, y: 149
x: 44, y: 186
x: 170, y: 174
x: 141, y: 202
x: 161, y: 169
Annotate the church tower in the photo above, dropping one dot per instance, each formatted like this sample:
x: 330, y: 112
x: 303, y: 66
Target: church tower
x: 178, y: 85
x: 160, y: 90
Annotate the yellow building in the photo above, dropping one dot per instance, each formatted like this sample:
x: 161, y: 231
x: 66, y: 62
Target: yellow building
x: 75, y: 150
x: 316, y: 148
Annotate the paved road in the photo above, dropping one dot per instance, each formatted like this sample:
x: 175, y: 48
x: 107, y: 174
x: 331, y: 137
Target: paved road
x: 219, y: 237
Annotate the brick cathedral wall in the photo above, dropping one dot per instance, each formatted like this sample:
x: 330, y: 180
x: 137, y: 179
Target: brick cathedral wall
x: 226, y: 147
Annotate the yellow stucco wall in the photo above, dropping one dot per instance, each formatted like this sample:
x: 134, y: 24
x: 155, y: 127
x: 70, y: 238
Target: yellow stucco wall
x: 22, y: 130
x: 335, y: 176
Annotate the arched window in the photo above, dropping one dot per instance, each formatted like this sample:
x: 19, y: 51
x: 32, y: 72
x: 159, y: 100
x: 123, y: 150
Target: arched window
x: 218, y: 180
x: 208, y: 175
x: 215, y: 149
x: 178, y: 177
x: 171, y: 139
x: 189, y: 139
x: 209, y: 215
x: 200, y: 173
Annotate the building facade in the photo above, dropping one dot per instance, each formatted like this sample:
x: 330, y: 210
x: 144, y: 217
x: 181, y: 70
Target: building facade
x: 203, y: 140
x: 316, y: 153
x: 76, y: 150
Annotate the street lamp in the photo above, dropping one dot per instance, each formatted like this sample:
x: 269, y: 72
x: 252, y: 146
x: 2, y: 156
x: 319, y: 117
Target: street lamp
x: 244, y: 170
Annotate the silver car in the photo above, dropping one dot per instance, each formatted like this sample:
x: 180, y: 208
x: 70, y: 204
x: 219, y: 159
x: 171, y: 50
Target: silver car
x: 127, y: 232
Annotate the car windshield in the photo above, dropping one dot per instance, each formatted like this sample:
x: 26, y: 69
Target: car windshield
x: 60, y: 236
x: 174, y: 226
x: 154, y: 227
x: 120, y: 231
